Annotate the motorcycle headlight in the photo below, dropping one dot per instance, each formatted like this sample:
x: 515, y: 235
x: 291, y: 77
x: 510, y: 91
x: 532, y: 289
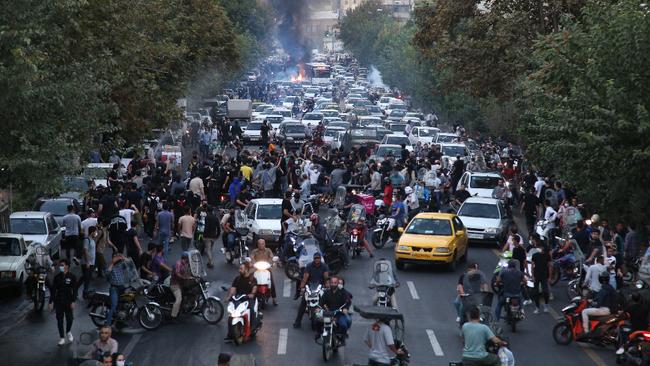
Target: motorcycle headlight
x: 491, y: 230
x: 639, y: 284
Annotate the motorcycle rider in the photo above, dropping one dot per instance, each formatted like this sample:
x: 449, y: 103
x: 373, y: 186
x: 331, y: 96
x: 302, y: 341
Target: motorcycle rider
x: 512, y: 279
x: 244, y: 284
x: 473, y: 281
x: 550, y: 215
x: 180, y: 274
x: 334, y: 298
x: 317, y: 229
x: 315, y: 272
x: 228, y: 229
x: 262, y: 253
x: 606, y: 303
x: 475, y: 336
x: 379, y: 340
x: 593, y: 274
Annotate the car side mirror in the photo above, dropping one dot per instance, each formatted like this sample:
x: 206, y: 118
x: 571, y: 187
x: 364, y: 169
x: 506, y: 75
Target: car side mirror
x: 460, y: 232
x: 400, y: 230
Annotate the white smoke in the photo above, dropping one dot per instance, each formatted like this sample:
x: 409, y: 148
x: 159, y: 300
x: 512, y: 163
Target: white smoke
x: 374, y: 77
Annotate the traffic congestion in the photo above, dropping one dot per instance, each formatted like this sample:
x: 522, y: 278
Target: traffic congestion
x: 310, y: 215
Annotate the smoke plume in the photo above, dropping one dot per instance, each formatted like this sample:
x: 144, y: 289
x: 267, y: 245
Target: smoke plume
x: 292, y: 14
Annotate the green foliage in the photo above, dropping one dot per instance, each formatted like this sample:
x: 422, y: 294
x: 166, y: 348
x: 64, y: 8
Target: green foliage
x: 587, y: 106
x: 361, y: 28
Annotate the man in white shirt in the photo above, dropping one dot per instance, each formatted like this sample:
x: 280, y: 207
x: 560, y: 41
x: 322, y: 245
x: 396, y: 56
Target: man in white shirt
x: 412, y: 203
x: 538, y: 186
x: 91, y: 220
x: 591, y: 278
x: 127, y: 213
x: 550, y: 215
x: 197, y: 187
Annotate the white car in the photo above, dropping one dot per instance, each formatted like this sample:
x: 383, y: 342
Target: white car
x: 253, y: 133
x: 262, y: 217
x: 450, y: 152
x: 444, y: 137
x: 426, y: 135
x: 13, y: 255
x: 479, y: 184
x: 384, y: 151
x: 284, y: 112
x: 329, y: 113
x: 368, y: 121
x: 384, y: 102
x: 397, y: 139
x: 289, y: 101
x: 486, y: 219
x: 330, y: 133
x: 37, y: 227
x: 313, y: 118
x: 262, y: 109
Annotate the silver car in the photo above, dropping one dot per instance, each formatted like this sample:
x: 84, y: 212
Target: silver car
x: 37, y: 227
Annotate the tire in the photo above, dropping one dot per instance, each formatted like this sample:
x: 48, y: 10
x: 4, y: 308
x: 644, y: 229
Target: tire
x: 399, y: 265
x: 150, y: 322
x: 212, y: 311
x: 39, y: 299
x: 99, y: 309
x: 292, y: 270
x: 379, y: 240
x: 454, y: 263
x: 562, y: 334
x: 463, y: 259
x: 327, y: 348
x: 555, y: 276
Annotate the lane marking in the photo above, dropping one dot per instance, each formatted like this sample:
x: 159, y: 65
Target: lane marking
x: 282, y: 341
x: 131, y: 345
x: 588, y: 351
x: 286, y: 290
x: 414, y: 292
x: 434, y: 343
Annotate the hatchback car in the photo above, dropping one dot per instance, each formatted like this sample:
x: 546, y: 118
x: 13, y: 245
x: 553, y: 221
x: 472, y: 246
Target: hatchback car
x: 262, y: 218
x: 438, y: 238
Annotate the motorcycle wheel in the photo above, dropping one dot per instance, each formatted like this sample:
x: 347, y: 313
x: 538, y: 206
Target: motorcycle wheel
x: 327, y: 348
x: 379, y: 239
x: 562, y: 334
x: 555, y: 276
x: 212, y: 311
x: 102, y: 310
x: 573, y: 289
x: 39, y: 299
x: 150, y: 317
x: 238, y: 334
x: 292, y: 270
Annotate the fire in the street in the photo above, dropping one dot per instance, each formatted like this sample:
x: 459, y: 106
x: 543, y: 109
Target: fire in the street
x: 296, y: 78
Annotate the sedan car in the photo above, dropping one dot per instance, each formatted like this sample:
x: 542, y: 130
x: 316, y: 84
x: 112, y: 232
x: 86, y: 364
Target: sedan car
x: 37, y: 227
x: 397, y: 139
x: 292, y: 133
x: 262, y: 217
x: 13, y: 255
x: 486, y: 219
x: 58, y: 207
x: 253, y: 133
x: 438, y: 238
x: 426, y: 135
x: 313, y: 118
x: 479, y: 184
x: 385, y: 151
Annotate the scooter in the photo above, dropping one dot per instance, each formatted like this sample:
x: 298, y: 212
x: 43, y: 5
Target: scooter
x: 501, y: 350
x: 604, y: 329
x: 240, y: 327
x: 355, y: 246
x: 263, y: 278
x: 636, y: 351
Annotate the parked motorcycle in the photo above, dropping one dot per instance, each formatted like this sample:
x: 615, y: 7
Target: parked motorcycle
x: 263, y: 278
x: 240, y: 328
x: 604, y: 329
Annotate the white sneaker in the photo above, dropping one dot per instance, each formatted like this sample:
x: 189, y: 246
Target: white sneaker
x: 527, y: 302
x: 545, y: 308
x: 61, y: 341
x: 620, y: 351
x: 457, y: 319
x: 70, y: 337
x: 536, y: 311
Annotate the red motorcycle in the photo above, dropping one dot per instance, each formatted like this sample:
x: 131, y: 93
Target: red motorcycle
x: 604, y: 329
x: 636, y: 350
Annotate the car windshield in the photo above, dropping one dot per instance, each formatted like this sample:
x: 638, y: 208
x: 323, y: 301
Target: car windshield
x: 479, y: 210
x: 397, y: 113
x: 422, y: 226
x: 331, y: 132
x: 453, y: 150
x: 383, y: 151
x: 313, y: 116
x: 363, y: 133
x: 97, y: 173
x: 295, y: 129
x: 9, y: 247
x: 446, y: 138
x: 28, y: 226
x: 397, y: 140
x: 274, y: 119
x: 374, y: 109
x: 330, y: 113
x: 483, y: 182
x: 56, y: 207
x: 425, y: 132
x: 261, y: 108
x: 75, y: 184
x: 398, y: 128
x: 254, y: 126
x: 340, y: 124
x: 398, y: 106
x: 269, y: 212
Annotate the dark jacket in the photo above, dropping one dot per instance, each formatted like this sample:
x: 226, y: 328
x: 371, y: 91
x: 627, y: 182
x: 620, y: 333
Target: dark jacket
x: 64, y: 289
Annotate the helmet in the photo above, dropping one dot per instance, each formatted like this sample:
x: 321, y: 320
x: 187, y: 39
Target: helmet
x: 603, y: 277
x: 313, y: 217
x: 408, y: 190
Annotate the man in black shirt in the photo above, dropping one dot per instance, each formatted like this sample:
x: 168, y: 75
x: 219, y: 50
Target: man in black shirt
x: 541, y: 267
x: 244, y: 197
x: 315, y: 273
x: 62, y: 299
x: 529, y: 208
x: 264, y: 131
x: 287, y: 212
x: 337, y: 298
x: 244, y: 284
x: 461, y: 194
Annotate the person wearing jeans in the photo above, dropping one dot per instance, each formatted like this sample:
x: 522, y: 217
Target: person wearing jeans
x: 117, y: 281
x: 180, y: 274
x: 164, y: 222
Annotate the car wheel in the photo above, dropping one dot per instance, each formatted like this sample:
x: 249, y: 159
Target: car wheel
x: 399, y: 265
x: 453, y: 264
x: 465, y: 256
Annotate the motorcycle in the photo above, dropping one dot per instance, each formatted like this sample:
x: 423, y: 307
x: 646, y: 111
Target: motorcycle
x: 37, y: 267
x: 501, y: 350
x: 356, y: 230
x: 313, y: 294
x: 636, y: 351
x: 240, y: 250
x: 514, y: 312
x: 240, y: 328
x: 604, y: 329
x: 263, y: 278
x: 568, y: 269
x: 330, y: 338
x: 384, y: 230
x: 196, y: 299
x: 38, y: 279
x: 384, y: 282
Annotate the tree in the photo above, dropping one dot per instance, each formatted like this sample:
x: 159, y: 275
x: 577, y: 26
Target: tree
x: 361, y: 28
x: 587, y: 104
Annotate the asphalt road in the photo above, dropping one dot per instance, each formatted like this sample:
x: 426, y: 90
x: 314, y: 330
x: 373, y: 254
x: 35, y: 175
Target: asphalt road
x: 425, y: 298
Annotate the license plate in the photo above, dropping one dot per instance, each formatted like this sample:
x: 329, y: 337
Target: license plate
x: 421, y: 255
x: 474, y: 236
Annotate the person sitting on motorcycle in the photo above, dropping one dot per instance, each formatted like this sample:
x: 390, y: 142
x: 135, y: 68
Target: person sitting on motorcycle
x: 244, y: 284
x: 362, y: 227
x: 511, y: 280
x: 317, y: 229
x: 180, y: 274
x: 228, y: 227
x: 315, y: 272
x: 398, y: 211
x: 264, y: 254
x: 510, y: 244
x: 475, y: 336
x: 335, y: 298
x: 473, y: 281
x: 592, y: 276
x: 606, y: 302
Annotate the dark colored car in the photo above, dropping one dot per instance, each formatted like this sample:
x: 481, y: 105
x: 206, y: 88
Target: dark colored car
x: 58, y: 207
x: 292, y: 133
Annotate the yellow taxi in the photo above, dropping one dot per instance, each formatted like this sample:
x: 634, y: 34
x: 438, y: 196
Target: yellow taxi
x: 431, y: 237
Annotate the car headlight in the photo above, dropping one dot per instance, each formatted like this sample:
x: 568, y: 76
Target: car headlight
x: 266, y: 232
x: 403, y: 247
x: 491, y: 230
x: 442, y: 250
x: 289, y: 138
